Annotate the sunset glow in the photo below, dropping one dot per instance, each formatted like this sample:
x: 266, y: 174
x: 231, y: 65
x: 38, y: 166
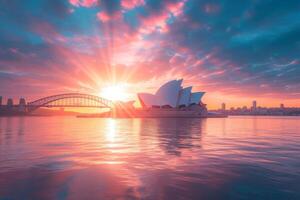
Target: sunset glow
x: 81, y: 46
x: 115, y: 92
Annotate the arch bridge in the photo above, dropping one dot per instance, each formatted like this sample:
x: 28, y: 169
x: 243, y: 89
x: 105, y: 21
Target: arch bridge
x: 70, y: 100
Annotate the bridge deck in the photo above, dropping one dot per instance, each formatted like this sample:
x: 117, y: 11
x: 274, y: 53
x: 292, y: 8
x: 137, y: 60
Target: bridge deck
x: 67, y: 106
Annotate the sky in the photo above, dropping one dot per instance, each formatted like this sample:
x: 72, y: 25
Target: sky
x: 235, y: 51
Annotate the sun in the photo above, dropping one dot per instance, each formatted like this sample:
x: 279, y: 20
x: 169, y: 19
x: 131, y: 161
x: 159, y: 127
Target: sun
x: 116, y: 92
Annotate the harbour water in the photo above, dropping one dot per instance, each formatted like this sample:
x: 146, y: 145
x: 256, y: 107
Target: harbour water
x: 94, y: 158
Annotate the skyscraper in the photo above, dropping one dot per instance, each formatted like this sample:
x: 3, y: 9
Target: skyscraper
x: 22, y: 105
x: 22, y: 102
x: 254, y: 105
x: 282, y: 106
x: 223, y: 106
x: 10, y: 102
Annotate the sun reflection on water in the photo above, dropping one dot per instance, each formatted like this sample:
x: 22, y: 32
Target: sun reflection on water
x: 138, y: 157
x: 111, y: 131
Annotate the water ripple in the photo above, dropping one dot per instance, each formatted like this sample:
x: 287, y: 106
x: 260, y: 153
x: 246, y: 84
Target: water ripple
x: 73, y: 158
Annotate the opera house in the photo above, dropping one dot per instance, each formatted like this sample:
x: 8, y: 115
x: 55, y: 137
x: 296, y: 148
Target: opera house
x: 171, y: 95
x: 171, y: 100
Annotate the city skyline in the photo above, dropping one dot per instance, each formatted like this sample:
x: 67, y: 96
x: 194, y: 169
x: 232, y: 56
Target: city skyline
x: 4, y: 101
x: 52, y: 47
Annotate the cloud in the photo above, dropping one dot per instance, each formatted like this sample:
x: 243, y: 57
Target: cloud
x: 84, y: 3
x: 220, y: 47
x: 105, y: 17
x: 130, y: 4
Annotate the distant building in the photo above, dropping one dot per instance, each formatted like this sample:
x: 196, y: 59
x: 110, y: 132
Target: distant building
x: 254, y: 105
x: 22, y: 102
x: 281, y: 110
x: 10, y: 102
x: 223, y: 107
x: 22, y: 105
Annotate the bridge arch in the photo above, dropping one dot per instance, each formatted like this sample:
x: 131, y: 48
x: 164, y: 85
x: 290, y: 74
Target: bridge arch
x: 88, y: 101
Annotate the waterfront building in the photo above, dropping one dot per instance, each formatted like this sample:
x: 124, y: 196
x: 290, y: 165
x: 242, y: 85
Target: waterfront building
x: 10, y: 102
x: 171, y: 95
x: 22, y: 105
x: 254, y: 105
x: 223, y: 107
x: 171, y: 100
x: 22, y: 102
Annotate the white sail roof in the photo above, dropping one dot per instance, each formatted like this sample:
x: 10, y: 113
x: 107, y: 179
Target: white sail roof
x: 184, y: 96
x: 147, y: 100
x: 196, y: 97
x: 168, y: 93
x: 172, y: 94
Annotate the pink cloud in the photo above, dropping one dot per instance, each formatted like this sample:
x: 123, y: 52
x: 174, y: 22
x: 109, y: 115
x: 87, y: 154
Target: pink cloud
x: 48, y: 32
x: 129, y: 4
x: 83, y: 3
x: 104, y: 16
x: 175, y: 8
x: 159, y: 21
